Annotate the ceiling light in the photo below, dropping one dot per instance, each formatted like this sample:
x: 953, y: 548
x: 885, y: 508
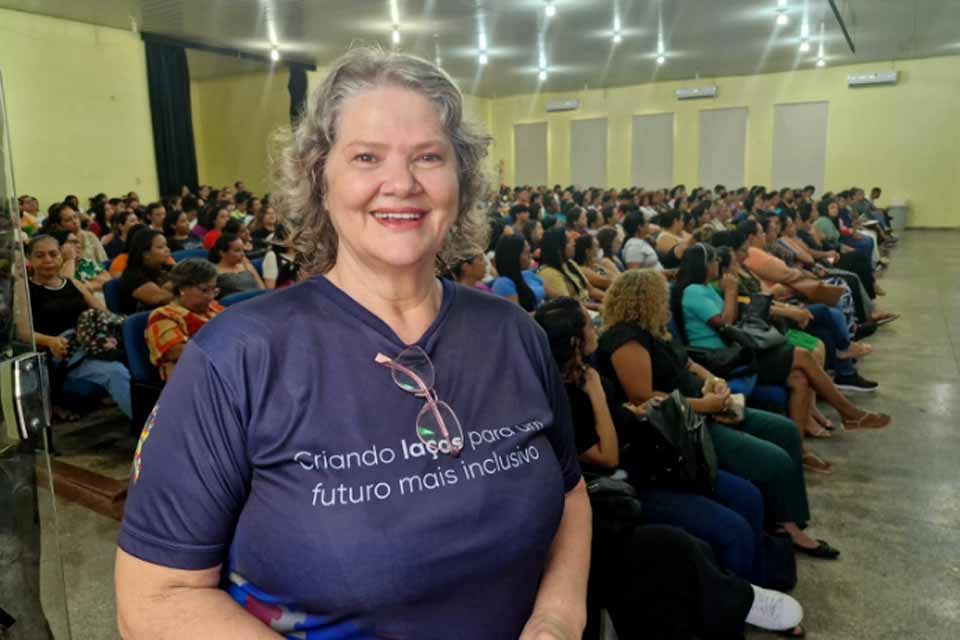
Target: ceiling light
x: 274, y: 54
x: 821, y: 62
x: 396, y: 36
x: 661, y: 59
x: 542, y: 75
x: 483, y: 59
x: 617, y: 38
x: 550, y: 10
x: 782, y: 19
x: 804, y: 46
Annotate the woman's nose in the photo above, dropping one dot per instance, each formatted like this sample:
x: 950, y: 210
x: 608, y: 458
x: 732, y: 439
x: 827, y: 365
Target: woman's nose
x: 399, y: 179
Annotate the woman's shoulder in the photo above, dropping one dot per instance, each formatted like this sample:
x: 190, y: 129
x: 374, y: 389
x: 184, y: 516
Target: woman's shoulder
x: 623, y: 333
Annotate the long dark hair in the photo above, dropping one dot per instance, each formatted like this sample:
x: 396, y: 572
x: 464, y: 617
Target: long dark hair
x: 553, y: 250
x: 139, y: 243
x: 581, y: 249
x: 507, y: 260
x: 223, y: 243
x: 170, y: 223
x: 564, y: 322
x: 694, y: 266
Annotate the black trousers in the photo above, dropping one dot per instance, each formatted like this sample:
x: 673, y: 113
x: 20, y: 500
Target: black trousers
x: 659, y: 583
x: 860, y: 265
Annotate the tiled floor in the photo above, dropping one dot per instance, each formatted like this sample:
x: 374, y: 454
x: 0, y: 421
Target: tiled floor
x: 892, y: 507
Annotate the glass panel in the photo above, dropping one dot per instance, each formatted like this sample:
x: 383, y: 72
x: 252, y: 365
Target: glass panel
x: 32, y: 589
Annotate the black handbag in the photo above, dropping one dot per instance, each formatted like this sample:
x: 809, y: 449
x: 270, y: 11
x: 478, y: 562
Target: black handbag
x: 754, y: 331
x: 617, y: 508
x: 673, y: 449
x: 733, y: 361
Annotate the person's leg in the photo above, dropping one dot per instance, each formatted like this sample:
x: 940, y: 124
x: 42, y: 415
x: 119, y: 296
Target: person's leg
x: 659, y: 582
x: 727, y: 532
x: 820, y: 382
x: 765, y: 449
x: 798, y: 402
x: 112, y: 376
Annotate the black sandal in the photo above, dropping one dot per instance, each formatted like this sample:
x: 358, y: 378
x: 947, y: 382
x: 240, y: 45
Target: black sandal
x: 823, y: 550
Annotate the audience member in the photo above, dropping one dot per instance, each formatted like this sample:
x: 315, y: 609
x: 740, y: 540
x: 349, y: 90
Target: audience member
x: 516, y: 281
x: 145, y: 283
x: 235, y: 272
x: 560, y: 274
x: 586, y: 253
x: 471, y: 270
x: 176, y: 229
x: 637, y: 252
x: 194, y: 283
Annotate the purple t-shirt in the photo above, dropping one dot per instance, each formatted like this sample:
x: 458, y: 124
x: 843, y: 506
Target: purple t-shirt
x: 281, y: 450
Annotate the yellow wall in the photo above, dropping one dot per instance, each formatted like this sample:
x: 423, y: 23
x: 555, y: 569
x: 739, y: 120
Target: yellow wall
x: 234, y: 118
x: 78, y: 108
x: 903, y: 138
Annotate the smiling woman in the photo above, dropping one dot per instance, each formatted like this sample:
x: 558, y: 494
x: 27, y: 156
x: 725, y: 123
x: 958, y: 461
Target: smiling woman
x: 368, y: 354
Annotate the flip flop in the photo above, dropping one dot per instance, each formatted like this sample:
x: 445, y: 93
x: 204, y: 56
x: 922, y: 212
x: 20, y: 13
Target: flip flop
x: 816, y: 464
x: 819, y: 432
x: 868, y: 421
x: 886, y: 318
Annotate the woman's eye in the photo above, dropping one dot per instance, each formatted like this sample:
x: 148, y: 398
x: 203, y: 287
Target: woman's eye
x: 430, y: 157
x: 364, y: 157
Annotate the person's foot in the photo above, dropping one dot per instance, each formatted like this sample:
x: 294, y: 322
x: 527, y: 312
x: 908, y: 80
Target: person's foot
x: 855, y: 351
x: 856, y: 383
x: 814, y: 463
x: 821, y: 419
x: 773, y: 610
x: 867, y: 420
x: 885, y: 318
x: 865, y: 330
x: 877, y: 290
x: 816, y: 430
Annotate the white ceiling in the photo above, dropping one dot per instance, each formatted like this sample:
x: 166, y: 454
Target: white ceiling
x: 704, y: 38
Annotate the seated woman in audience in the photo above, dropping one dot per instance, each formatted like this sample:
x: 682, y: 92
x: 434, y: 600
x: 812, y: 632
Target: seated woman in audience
x: 90, y: 253
x: 560, y: 274
x: 56, y: 304
x: 470, y: 271
x: 115, y: 241
x: 586, y: 253
x: 235, y: 272
x: 265, y: 227
x: 533, y: 233
x: 516, y: 281
x: 637, y: 252
x: 170, y: 327
x: 176, y: 228
x: 212, y: 223
x: 647, y: 208
x: 637, y: 352
x: 577, y: 221
x: 280, y: 268
x: 609, y: 242
x: 700, y: 312
x: 835, y: 255
x: 154, y: 216
x: 673, y: 239
x: 656, y: 581
x: 93, y: 275
x: 835, y: 232
x: 145, y: 283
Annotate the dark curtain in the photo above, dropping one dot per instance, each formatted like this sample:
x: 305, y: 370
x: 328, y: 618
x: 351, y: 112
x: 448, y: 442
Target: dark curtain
x: 297, y: 85
x: 169, y: 81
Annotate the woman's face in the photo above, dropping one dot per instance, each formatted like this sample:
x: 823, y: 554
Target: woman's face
x: 197, y: 298
x: 269, y: 218
x: 538, y: 233
x: 713, y: 270
x: 571, y: 246
x: 156, y: 217
x: 70, y: 247
x: 477, y: 268
x: 69, y: 220
x: 129, y: 222
x: 234, y: 253
x: 223, y: 215
x: 182, y: 227
x: 757, y: 239
x: 615, y: 246
x: 589, y: 334
x: 391, y: 180
x: 46, y: 258
x: 254, y: 206
x: 157, y: 254
x: 773, y: 229
x: 525, y: 257
x: 833, y: 210
x: 789, y: 228
x: 108, y: 211
x: 581, y: 221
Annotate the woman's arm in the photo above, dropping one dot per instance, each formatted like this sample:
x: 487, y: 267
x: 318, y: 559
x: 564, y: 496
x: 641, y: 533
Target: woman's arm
x: 730, y: 285
x: 606, y: 453
x: 253, y: 270
x: 152, y: 295
x: 560, y: 610
x: 596, y: 294
x: 92, y: 301
x: 634, y: 370
x: 595, y: 279
x: 159, y: 603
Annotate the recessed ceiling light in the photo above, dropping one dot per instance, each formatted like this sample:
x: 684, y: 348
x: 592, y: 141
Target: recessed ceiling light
x: 821, y: 62
x: 661, y: 59
x: 782, y: 19
x: 274, y: 54
x: 483, y: 59
x: 396, y: 36
x: 804, y: 47
x: 617, y: 38
x: 550, y: 10
x: 542, y: 75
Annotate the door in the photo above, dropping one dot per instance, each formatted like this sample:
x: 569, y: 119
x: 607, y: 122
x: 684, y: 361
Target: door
x: 32, y: 593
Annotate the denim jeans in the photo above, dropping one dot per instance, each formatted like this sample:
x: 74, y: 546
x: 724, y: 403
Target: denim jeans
x: 830, y: 326
x: 112, y: 376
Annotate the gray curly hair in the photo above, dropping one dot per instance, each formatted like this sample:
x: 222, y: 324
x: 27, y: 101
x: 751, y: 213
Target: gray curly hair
x: 299, y: 169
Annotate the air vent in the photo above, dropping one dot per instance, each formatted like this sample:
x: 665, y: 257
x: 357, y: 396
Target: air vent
x: 697, y: 93
x: 868, y: 79
x: 562, y: 105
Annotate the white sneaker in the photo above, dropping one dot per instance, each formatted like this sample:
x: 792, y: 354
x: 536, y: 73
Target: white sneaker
x: 773, y: 610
